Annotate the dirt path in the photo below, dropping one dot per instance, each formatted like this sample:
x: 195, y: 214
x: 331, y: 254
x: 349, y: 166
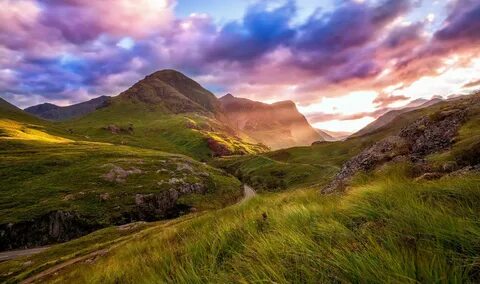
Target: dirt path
x: 7, y: 255
x: 56, y: 268
x: 248, y: 193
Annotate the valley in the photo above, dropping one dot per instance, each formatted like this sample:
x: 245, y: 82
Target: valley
x: 184, y: 187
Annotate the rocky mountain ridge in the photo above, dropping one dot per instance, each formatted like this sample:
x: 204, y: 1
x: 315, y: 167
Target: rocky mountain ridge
x: 277, y: 125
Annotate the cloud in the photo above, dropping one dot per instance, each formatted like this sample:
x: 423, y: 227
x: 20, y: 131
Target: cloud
x: 69, y: 50
x: 260, y: 31
x: 463, y: 23
x: 475, y: 83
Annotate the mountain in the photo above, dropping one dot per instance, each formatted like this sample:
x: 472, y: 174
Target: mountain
x: 9, y: 111
x: 277, y: 125
x: 325, y: 136
x: 58, y: 113
x: 335, y: 135
x: 166, y: 111
x: 173, y: 91
x: 391, y: 115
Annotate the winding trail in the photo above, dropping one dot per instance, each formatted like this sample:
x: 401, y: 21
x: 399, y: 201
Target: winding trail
x: 7, y: 255
x: 248, y: 193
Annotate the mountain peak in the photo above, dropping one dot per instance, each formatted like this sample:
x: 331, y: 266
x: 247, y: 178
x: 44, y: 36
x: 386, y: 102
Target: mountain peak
x: 227, y: 97
x: 174, y: 91
x: 166, y: 74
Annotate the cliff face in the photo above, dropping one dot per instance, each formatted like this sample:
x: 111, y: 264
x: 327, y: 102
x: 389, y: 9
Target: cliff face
x: 278, y: 125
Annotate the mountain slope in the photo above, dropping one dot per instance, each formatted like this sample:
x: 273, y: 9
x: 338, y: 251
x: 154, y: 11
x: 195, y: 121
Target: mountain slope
x: 336, y: 135
x: 278, y: 125
x: 165, y: 111
x: 391, y: 115
x: 174, y: 91
x: 57, y: 113
x: 9, y: 111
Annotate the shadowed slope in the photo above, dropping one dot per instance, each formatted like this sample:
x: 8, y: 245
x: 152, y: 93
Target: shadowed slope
x: 278, y: 125
x: 57, y: 113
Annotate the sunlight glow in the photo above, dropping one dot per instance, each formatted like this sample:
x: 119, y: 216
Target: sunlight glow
x: 345, y: 125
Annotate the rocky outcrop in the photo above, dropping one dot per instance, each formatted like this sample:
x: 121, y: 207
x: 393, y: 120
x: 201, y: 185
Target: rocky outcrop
x: 114, y: 129
x: 119, y: 175
x: 426, y: 135
x: 155, y: 206
x: 218, y: 149
x: 54, y: 227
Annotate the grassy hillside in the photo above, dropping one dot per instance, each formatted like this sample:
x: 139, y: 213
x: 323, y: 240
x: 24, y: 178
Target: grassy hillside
x: 314, y: 166
x: 51, y: 177
x: 373, y: 234
x: 150, y: 126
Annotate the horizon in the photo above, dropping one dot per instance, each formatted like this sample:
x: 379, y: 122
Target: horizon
x: 340, y: 78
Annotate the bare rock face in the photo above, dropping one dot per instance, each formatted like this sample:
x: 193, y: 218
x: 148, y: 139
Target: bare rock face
x: 153, y: 206
x: 57, y: 226
x: 218, y: 149
x: 426, y: 135
x: 150, y: 207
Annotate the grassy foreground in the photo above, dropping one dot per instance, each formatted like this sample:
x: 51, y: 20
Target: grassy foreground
x: 388, y: 228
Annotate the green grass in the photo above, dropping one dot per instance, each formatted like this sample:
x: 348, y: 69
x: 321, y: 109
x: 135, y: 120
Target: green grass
x: 154, y: 128
x: 387, y: 229
x: 43, y: 170
x: 294, y: 167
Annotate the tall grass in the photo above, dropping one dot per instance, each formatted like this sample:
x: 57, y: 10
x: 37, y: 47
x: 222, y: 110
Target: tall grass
x: 390, y: 230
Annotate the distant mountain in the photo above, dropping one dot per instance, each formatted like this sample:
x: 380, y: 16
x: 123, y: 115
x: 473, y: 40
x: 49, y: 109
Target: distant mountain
x: 58, y: 113
x: 325, y: 136
x: 391, y: 115
x: 334, y: 135
x: 277, y: 125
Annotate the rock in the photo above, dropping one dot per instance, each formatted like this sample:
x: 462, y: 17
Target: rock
x: 130, y: 226
x: 119, y: 175
x: 218, y: 149
x: 56, y: 226
x: 104, y: 196
x: 184, y: 167
x: 449, y: 166
x: 424, y: 136
x: 429, y: 176
x: 112, y: 128
x: 151, y: 206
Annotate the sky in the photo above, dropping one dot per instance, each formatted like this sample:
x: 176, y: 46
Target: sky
x: 343, y: 62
